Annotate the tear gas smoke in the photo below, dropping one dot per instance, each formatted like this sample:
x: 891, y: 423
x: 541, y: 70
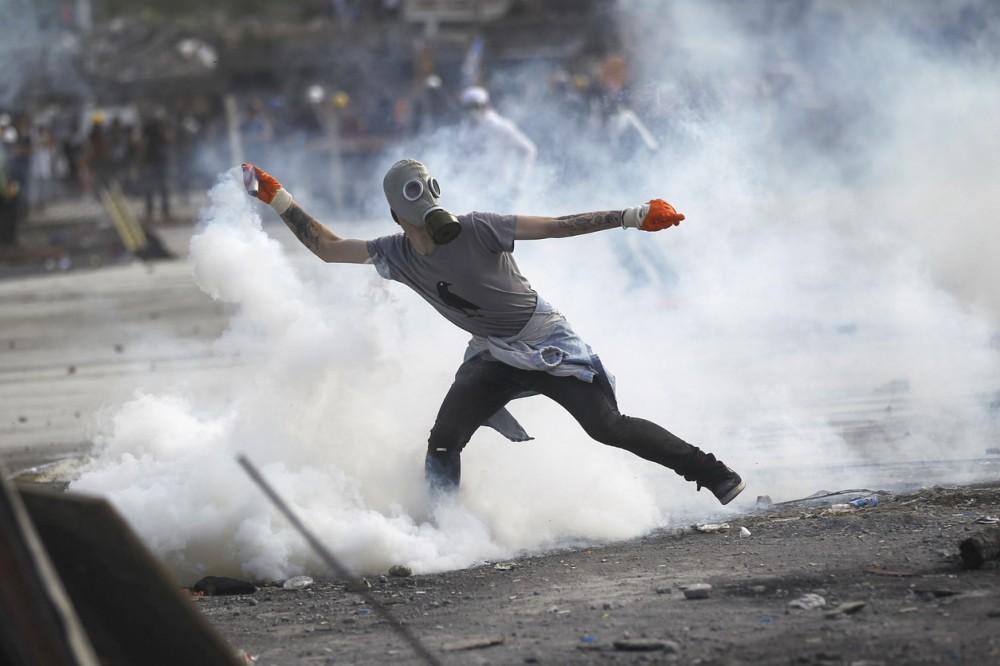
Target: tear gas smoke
x: 835, y: 256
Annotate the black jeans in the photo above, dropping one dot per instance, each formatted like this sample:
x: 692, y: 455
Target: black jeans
x: 483, y: 386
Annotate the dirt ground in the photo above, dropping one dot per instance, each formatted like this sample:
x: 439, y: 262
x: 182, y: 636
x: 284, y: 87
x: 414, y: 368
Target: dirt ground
x: 899, y: 559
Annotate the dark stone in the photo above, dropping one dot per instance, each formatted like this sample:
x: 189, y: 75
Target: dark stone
x: 216, y: 586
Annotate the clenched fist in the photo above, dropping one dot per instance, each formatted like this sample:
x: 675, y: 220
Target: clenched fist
x: 654, y: 216
x: 266, y: 187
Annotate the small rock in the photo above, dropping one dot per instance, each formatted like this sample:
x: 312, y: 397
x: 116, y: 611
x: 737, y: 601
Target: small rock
x: 504, y: 566
x: 846, y: 608
x: 712, y: 528
x: 758, y: 589
x: 807, y: 602
x: 697, y: 591
x: 664, y: 589
x: 646, y: 645
x: 744, y: 532
x: 358, y: 585
x: 400, y: 571
x: 477, y: 643
x: 297, y: 583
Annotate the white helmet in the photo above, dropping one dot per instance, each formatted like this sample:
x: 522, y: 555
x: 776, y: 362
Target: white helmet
x: 475, y: 96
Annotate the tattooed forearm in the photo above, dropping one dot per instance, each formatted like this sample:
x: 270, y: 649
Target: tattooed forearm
x: 585, y: 223
x: 304, y: 226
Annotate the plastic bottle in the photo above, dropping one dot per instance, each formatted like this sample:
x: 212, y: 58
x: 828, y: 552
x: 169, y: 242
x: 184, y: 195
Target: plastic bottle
x: 864, y: 502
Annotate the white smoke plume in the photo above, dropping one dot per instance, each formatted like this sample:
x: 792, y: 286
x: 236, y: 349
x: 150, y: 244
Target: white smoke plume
x: 835, y: 261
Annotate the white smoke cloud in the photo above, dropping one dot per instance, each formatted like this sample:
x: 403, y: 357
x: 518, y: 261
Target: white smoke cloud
x: 836, y: 250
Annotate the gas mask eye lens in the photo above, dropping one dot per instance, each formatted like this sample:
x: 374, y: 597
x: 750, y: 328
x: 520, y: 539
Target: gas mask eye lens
x: 434, y: 187
x: 412, y: 190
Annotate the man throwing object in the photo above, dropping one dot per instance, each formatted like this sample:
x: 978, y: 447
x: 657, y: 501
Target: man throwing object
x: 520, y: 344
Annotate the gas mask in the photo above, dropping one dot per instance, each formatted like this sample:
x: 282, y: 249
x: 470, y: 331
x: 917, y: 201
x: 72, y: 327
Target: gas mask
x: 412, y: 194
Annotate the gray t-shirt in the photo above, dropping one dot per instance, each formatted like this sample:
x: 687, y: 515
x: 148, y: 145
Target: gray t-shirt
x: 473, y: 280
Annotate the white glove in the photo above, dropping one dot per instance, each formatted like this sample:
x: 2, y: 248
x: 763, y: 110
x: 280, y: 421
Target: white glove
x: 633, y: 217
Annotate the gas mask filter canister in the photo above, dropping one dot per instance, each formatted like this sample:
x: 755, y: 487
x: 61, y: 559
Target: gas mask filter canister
x: 412, y: 194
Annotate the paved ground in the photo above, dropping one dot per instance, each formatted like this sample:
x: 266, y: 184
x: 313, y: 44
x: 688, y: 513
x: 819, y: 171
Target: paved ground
x: 66, y: 347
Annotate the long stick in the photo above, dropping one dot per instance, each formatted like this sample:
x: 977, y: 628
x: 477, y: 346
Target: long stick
x: 338, y: 569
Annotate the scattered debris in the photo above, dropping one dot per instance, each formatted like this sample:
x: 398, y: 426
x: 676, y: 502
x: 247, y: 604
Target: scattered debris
x: 646, y: 645
x: 864, y: 502
x: 400, y: 571
x: 879, y: 571
x: 297, y: 583
x: 663, y: 589
x: 980, y: 548
x: 823, y: 494
x: 988, y: 520
x: 504, y: 566
x: 928, y: 594
x: 358, y: 586
x: 476, y: 643
x: 697, y: 591
x: 216, y: 586
x: 712, y: 528
x: 807, y: 602
x: 245, y: 657
x: 838, y: 508
x: 744, y: 532
x: 846, y: 608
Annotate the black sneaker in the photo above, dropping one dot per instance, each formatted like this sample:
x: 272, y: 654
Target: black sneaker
x: 724, y: 483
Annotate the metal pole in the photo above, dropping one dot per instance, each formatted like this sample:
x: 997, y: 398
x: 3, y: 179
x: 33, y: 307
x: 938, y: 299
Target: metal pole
x: 338, y: 569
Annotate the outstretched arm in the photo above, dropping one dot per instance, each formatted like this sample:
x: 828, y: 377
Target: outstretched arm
x: 654, y: 216
x: 319, y: 239
x: 530, y: 227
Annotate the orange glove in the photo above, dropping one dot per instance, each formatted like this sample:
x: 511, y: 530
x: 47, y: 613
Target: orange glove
x: 654, y: 216
x: 265, y: 187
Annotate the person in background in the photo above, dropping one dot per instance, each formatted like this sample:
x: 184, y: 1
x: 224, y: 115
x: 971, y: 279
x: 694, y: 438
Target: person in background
x: 155, y: 164
x: 8, y: 191
x: 43, y: 167
x: 493, y: 144
x: 16, y: 168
